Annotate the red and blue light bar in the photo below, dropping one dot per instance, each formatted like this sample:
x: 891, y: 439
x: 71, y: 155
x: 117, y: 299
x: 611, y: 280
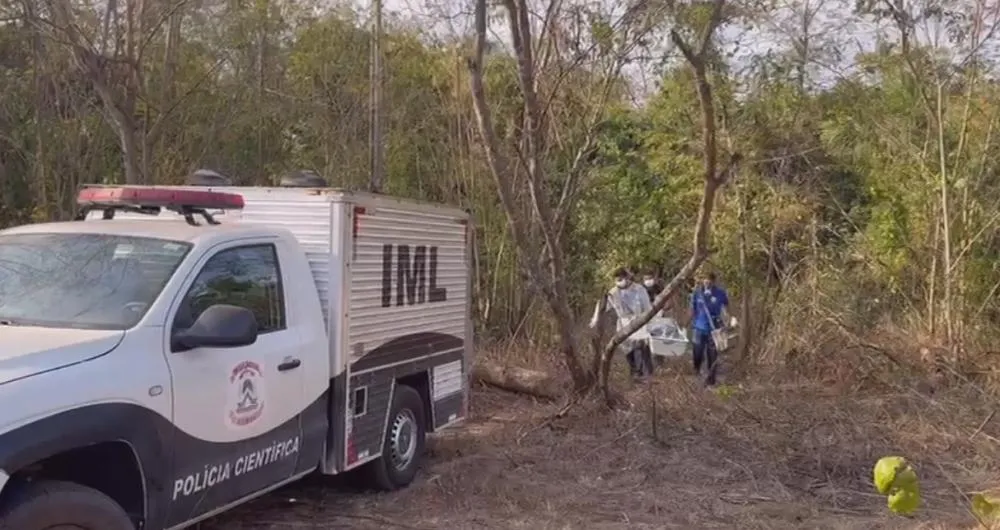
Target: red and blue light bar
x: 151, y: 197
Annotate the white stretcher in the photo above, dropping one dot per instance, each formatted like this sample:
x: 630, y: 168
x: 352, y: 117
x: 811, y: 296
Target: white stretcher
x: 667, y: 339
x: 664, y: 336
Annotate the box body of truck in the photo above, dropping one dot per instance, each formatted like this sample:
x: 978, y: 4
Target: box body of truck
x: 393, y: 278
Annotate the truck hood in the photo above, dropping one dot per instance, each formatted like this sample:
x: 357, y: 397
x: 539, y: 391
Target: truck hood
x: 26, y: 350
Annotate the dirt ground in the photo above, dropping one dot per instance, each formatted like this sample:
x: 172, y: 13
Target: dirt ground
x: 769, y: 455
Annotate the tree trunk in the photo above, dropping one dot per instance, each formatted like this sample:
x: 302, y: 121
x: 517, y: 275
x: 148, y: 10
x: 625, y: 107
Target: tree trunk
x: 118, y: 96
x: 932, y: 282
x: 743, y: 347
x: 43, y: 112
x: 558, y: 298
x: 551, y: 283
x: 946, y: 254
x: 515, y: 379
x: 599, y: 333
x: 133, y: 156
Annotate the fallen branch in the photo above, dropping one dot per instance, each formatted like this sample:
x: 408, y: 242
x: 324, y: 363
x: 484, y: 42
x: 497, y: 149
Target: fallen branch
x: 516, y: 379
x: 548, y: 421
x: 983, y: 424
x: 384, y: 521
x: 744, y: 500
x: 968, y: 500
x: 609, y: 443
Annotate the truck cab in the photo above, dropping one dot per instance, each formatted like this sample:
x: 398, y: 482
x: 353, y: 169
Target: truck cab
x: 169, y: 357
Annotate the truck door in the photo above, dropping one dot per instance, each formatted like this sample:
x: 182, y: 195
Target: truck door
x: 236, y: 410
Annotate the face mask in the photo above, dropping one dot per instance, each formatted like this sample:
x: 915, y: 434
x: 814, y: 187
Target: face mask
x: 622, y: 284
x: 649, y: 282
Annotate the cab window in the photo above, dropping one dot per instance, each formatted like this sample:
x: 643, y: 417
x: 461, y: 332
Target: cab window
x: 247, y: 276
x: 83, y: 281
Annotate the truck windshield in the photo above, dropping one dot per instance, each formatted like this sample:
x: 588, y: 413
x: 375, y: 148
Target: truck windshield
x: 90, y: 281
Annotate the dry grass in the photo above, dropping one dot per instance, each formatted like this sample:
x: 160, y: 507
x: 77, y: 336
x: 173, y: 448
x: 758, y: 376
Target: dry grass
x: 776, y: 454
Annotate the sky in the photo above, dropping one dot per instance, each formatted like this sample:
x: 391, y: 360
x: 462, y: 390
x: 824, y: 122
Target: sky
x: 833, y: 22
x: 451, y: 18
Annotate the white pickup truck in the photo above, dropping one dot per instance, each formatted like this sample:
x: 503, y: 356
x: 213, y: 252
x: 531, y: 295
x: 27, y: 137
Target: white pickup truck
x: 176, y: 351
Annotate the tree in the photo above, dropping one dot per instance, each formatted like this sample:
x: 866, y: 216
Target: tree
x: 697, y: 58
x: 939, y: 52
x: 542, y: 260
x: 112, y: 55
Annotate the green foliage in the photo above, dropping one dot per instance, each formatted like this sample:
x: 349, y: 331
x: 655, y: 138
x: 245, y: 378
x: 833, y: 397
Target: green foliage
x: 725, y: 392
x: 986, y: 508
x: 837, y: 206
x: 895, y: 478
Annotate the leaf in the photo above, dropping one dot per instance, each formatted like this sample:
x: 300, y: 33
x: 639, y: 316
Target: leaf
x: 725, y: 391
x: 895, y: 478
x: 603, y: 34
x: 985, y: 509
x: 904, y: 502
x: 885, y: 472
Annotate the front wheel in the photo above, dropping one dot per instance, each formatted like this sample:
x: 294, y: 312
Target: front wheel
x: 47, y: 505
x: 403, y: 446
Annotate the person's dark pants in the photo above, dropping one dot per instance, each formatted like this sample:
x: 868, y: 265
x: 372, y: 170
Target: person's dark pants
x: 640, y: 359
x: 704, y: 352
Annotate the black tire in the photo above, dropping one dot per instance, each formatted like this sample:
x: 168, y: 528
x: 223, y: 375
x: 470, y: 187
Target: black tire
x: 389, y: 473
x: 61, y: 505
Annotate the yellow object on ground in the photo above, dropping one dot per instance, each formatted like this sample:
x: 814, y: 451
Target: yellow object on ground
x: 894, y: 477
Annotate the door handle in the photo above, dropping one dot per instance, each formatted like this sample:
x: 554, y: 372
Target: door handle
x: 289, y: 364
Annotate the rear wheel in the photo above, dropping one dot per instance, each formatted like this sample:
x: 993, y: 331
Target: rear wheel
x: 55, y: 505
x: 403, y: 448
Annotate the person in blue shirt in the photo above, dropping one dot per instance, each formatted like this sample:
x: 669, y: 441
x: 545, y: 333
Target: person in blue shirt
x: 709, y: 311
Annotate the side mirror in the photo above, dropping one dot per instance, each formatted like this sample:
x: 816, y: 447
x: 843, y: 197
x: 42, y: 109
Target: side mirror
x: 219, y: 326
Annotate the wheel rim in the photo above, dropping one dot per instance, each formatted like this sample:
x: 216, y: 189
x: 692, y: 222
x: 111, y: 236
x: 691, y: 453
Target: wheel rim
x: 403, y: 439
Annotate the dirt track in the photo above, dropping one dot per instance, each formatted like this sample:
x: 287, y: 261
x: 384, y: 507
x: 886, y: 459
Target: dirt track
x: 784, y: 456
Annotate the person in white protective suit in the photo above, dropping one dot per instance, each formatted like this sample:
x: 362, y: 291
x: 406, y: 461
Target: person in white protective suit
x: 629, y: 300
